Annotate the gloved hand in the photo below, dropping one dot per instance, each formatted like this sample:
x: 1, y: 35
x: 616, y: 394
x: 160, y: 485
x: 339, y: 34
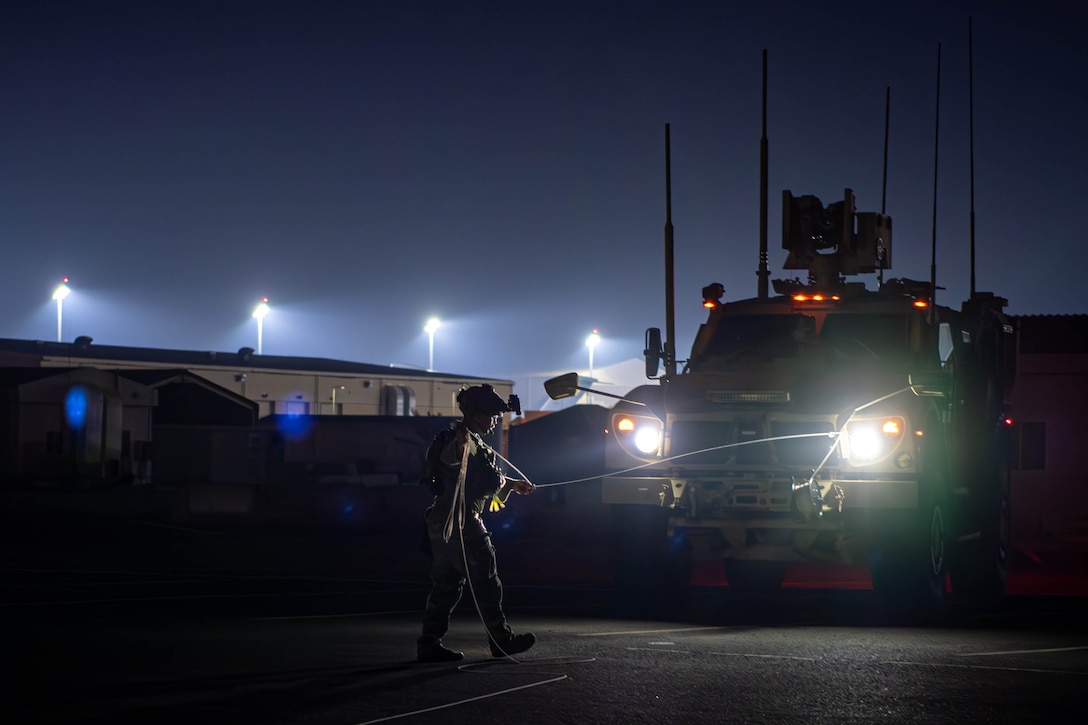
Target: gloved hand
x: 522, y: 487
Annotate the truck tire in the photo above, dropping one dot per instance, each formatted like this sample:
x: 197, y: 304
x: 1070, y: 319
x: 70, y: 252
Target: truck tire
x: 980, y: 567
x: 910, y: 569
x: 754, y: 577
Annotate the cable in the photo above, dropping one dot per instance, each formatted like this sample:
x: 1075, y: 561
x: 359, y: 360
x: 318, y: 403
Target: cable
x: 457, y: 506
x: 648, y: 464
x: 842, y: 427
x: 830, y: 434
x: 457, y: 517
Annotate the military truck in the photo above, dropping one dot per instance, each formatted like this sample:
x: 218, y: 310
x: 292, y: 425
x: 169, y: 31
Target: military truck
x: 826, y: 422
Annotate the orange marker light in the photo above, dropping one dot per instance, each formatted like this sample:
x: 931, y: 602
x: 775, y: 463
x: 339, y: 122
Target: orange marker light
x: 625, y: 424
x: 921, y: 304
x: 818, y: 297
x: 891, y: 427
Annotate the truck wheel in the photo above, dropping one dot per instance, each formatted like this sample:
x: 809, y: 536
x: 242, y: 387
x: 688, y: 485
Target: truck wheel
x: 980, y: 569
x: 756, y: 577
x: 910, y: 569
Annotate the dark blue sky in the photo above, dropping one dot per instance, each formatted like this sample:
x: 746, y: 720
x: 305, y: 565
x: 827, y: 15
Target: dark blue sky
x: 500, y: 164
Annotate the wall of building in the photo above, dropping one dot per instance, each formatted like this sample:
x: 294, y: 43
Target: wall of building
x: 73, y: 427
x: 187, y: 455
x: 1049, y: 476
x: 302, y: 392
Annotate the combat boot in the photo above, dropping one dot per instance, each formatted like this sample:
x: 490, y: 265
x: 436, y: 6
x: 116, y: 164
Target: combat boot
x: 512, y: 644
x: 429, y: 650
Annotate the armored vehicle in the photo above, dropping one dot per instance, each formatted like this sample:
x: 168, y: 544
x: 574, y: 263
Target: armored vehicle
x: 827, y: 421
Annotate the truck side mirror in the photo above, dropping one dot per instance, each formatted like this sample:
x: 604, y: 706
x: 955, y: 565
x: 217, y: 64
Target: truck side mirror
x: 653, y: 352
x: 561, y: 387
x: 931, y: 385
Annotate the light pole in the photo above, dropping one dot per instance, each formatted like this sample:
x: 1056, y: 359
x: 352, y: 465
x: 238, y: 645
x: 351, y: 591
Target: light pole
x: 258, y: 314
x: 591, y: 342
x: 430, y: 328
x: 59, y: 294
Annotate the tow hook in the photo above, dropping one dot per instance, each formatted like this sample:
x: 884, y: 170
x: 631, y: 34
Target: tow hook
x: 811, y: 505
x: 838, y: 495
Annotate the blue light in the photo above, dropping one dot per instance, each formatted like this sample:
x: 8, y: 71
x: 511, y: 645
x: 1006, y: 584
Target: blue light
x: 75, y: 407
x: 294, y: 426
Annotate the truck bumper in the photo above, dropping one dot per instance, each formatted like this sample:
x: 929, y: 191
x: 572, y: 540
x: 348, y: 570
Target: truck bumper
x: 765, y: 497
x: 766, y: 524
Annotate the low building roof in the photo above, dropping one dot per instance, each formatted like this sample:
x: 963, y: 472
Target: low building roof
x: 157, y: 378
x: 1053, y: 334
x: 17, y: 352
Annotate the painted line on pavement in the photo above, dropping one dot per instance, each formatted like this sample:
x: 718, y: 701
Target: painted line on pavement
x: 764, y: 656
x: 1020, y: 651
x: 647, y: 631
x: 658, y: 649
x: 984, y: 667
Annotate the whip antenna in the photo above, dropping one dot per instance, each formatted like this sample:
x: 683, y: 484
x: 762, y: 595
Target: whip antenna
x: 971, y: 145
x: 884, y: 183
x: 670, y: 304
x: 763, y: 272
x: 936, y: 146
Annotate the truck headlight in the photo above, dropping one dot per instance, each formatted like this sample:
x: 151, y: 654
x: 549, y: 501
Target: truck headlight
x: 865, y: 440
x: 639, y: 435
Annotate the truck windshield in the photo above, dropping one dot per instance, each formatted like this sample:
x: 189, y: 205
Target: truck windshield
x: 763, y: 339
x: 759, y: 336
x: 874, y: 336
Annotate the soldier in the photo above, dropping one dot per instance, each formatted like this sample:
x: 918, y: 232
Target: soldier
x: 462, y: 474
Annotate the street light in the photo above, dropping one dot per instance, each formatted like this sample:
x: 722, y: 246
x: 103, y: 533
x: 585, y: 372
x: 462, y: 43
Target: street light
x: 59, y: 294
x: 258, y: 314
x: 430, y: 328
x: 592, y: 341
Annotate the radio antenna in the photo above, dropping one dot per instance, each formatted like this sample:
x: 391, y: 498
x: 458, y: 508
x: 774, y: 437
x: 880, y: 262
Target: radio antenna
x: 670, y: 303
x: 884, y: 182
x: 971, y: 144
x: 933, y: 243
x: 763, y: 272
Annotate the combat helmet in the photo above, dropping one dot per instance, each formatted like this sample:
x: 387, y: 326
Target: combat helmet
x: 481, y: 398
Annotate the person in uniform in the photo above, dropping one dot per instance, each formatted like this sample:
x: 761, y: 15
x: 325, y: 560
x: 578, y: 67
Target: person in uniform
x: 463, y: 476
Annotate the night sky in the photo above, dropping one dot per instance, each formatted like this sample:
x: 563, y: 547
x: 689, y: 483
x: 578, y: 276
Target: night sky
x: 500, y: 165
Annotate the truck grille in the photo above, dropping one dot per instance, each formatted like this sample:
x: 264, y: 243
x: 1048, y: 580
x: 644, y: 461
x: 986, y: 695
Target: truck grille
x: 803, y: 451
x: 699, y: 435
x: 690, y: 436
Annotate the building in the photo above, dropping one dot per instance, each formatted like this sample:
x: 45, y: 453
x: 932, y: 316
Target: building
x: 277, y: 384
x: 1049, y: 482
x: 79, y: 426
x: 189, y: 418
